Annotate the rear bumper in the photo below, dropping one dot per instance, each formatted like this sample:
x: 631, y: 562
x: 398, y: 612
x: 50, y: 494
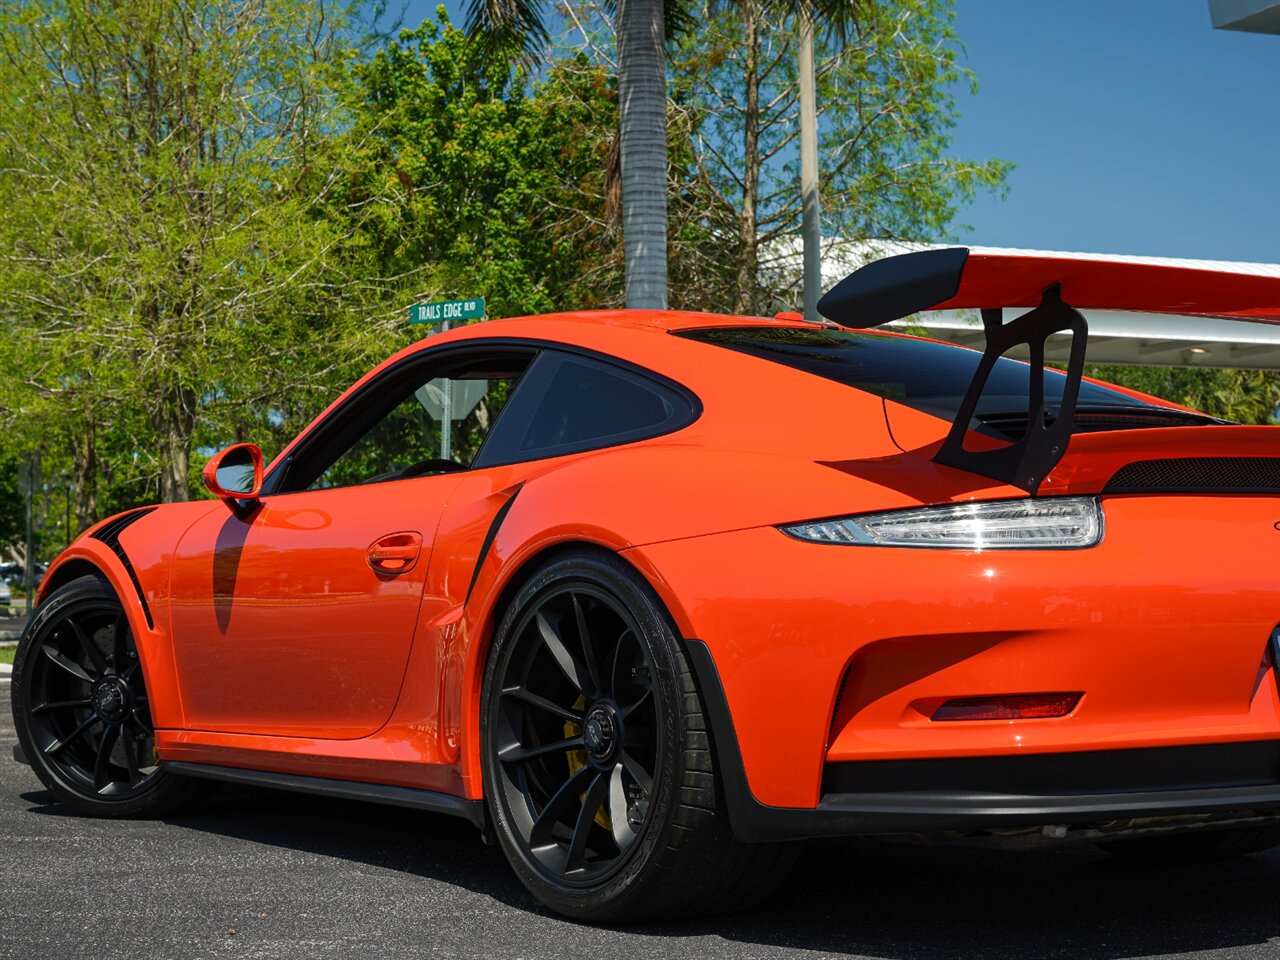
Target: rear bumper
x: 984, y: 794
x: 842, y: 654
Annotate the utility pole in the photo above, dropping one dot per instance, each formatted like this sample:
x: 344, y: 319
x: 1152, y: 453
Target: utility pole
x: 811, y: 228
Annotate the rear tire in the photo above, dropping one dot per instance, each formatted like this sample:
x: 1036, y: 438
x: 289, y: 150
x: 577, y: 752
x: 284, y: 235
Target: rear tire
x: 1201, y: 847
x: 597, y: 761
x: 81, y: 710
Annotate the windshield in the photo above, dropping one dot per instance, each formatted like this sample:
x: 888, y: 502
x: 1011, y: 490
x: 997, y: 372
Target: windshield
x: 931, y: 377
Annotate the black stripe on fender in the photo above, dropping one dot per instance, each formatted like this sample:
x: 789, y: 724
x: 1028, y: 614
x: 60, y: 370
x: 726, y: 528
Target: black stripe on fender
x: 489, y: 537
x: 109, y: 533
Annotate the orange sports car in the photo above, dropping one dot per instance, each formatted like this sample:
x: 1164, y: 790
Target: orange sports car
x: 650, y: 596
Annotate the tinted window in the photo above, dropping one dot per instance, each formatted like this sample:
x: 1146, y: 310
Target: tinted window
x: 430, y: 416
x: 931, y: 377
x: 443, y: 421
x: 586, y: 402
x: 570, y: 403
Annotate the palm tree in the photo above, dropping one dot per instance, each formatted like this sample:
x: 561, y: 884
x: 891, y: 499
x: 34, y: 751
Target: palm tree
x: 643, y: 27
x: 517, y: 25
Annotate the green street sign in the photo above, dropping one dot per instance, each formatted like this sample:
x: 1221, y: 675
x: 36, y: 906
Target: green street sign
x: 447, y: 311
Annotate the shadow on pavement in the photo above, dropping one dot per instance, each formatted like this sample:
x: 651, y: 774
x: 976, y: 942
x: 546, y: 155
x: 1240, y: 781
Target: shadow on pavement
x: 848, y: 897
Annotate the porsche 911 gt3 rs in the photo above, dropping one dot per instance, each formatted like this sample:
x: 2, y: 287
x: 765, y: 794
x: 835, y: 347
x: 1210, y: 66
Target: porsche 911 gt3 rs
x: 649, y: 596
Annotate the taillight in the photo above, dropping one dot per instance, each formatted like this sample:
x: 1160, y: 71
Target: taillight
x: 1034, y: 523
x: 1022, y: 706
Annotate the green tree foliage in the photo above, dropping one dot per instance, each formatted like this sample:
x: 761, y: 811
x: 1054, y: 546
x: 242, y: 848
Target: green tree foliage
x: 1243, y: 396
x: 168, y: 278
x: 216, y: 212
x: 886, y: 107
x: 490, y: 184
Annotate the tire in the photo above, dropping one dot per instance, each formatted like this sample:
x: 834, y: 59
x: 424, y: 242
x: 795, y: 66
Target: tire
x: 1200, y: 847
x: 559, y: 734
x: 81, y: 711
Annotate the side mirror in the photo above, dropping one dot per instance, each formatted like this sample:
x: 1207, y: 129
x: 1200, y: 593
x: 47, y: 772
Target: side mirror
x: 235, y: 473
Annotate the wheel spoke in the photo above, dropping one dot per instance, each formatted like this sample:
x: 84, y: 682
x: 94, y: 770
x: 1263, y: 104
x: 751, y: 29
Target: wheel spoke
x: 633, y: 707
x: 619, y: 818
x: 549, y: 815
x: 588, y: 647
x: 518, y: 753
x: 90, y: 648
x: 638, y: 773
x: 571, y: 668
x: 66, y: 663
x: 57, y: 745
x: 594, y: 799
x: 59, y: 704
x: 617, y: 658
x: 527, y: 696
x: 138, y: 721
x: 130, y: 761
x: 120, y: 644
x: 102, y: 765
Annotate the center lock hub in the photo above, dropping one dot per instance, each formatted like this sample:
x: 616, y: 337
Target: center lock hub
x: 111, y: 699
x: 600, y: 734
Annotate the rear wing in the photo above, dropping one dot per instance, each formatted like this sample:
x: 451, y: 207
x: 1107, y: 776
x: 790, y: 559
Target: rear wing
x: 1056, y: 287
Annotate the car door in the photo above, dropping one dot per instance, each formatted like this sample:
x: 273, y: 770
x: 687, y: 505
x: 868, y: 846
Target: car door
x: 297, y: 618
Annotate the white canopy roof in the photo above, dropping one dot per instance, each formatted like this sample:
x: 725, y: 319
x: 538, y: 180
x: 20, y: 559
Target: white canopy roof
x: 1115, y: 336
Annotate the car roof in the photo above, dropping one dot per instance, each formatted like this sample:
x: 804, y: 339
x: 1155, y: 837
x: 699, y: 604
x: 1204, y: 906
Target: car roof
x: 656, y: 321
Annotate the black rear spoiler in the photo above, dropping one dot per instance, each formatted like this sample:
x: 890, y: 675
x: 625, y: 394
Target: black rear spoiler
x: 897, y: 287
x: 1054, y: 286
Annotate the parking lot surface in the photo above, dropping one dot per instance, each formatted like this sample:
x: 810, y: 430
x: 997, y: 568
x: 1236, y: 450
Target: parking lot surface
x: 256, y: 873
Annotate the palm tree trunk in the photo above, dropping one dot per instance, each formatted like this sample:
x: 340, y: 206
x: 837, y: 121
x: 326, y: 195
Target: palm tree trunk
x: 811, y: 228
x: 642, y: 109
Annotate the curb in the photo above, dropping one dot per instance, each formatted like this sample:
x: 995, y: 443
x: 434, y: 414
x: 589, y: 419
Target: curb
x: 6, y: 669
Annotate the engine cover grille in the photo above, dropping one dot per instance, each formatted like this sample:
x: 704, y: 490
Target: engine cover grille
x: 1198, y: 475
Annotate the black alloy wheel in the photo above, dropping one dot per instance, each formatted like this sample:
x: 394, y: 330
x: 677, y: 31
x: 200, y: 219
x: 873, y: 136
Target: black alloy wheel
x: 598, y: 767
x: 81, y: 708
x: 575, y: 733
x: 88, y: 705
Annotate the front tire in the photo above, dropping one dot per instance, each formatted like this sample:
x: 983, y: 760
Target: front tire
x: 81, y: 710
x: 597, y: 760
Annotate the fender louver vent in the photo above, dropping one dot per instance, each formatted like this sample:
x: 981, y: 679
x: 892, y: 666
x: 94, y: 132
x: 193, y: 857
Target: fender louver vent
x: 1198, y: 475
x: 110, y: 535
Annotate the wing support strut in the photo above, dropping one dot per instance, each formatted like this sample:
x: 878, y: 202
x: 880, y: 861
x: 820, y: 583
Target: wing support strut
x: 1026, y: 462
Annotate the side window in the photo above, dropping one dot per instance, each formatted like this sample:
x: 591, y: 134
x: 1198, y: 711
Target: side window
x: 410, y: 425
x: 573, y: 403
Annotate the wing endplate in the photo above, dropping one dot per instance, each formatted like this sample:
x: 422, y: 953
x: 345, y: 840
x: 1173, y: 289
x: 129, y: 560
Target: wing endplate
x: 895, y: 287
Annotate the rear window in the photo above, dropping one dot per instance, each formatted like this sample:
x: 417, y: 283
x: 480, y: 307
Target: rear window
x: 931, y: 377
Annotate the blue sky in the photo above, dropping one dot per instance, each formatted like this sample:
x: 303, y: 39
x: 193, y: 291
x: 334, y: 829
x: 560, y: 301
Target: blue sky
x: 1135, y: 127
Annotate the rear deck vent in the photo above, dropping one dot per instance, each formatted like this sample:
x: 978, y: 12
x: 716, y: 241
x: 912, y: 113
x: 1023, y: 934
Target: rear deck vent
x: 1198, y: 475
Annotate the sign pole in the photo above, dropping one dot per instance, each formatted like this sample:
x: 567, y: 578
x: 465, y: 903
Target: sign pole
x: 446, y: 417
x: 443, y: 312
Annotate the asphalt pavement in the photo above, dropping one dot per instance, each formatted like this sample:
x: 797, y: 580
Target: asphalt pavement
x: 258, y: 873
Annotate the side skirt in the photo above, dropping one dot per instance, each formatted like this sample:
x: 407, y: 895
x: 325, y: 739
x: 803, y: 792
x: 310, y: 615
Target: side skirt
x: 472, y: 810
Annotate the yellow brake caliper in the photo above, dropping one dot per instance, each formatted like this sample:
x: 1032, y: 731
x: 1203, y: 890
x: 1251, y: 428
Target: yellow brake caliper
x: 578, y: 759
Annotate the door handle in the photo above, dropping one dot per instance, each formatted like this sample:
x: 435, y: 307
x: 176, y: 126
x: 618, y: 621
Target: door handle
x: 396, y: 553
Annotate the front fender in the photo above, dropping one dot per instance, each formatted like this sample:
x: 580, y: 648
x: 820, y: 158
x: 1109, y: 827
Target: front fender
x: 132, y: 552
x: 89, y: 556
